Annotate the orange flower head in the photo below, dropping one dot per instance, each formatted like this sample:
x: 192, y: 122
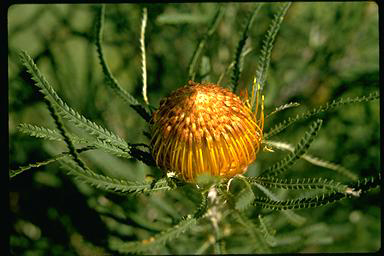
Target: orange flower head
x: 205, y: 128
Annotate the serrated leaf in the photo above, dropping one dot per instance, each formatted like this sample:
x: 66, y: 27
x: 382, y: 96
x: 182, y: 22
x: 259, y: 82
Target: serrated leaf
x: 200, y: 46
x: 266, y: 50
x: 112, y: 184
x: 21, y: 169
x: 309, y: 202
x: 271, y: 240
x: 246, y: 196
x: 314, y: 160
x: 111, y: 81
x: 160, y: 239
x: 327, y: 107
x: 298, y: 184
x: 283, y: 107
x: 299, y: 150
x: 238, y: 58
x: 45, y: 133
x: 65, y: 111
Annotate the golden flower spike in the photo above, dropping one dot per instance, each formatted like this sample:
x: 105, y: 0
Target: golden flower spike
x: 206, y: 128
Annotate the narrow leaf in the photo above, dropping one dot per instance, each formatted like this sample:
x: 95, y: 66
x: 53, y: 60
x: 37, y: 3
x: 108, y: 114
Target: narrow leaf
x: 299, y: 150
x: 244, y: 53
x: 203, y: 41
x: 283, y: 107
x: 319, y: 200
x: 293, y: 217
x: 256, y: 237
x: 65, y: 111
x: 49, y: 134
x: 63, y: 132
x: 308, y: 202
x: 112, y: 184
x: 298, y: 184
x: 325, y: 108
x: 111, y: 81
x: 245, y: 198
x: 364, y: 185
x: 40, y: 132
x: 238, y: 60
x: 267, y: 232
x: 266, y: 50
x: 315, y: 160
x: 160, y: 239
x: 21, y: 169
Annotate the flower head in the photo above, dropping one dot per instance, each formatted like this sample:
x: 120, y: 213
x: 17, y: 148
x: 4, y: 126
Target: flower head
x: 205, y: 128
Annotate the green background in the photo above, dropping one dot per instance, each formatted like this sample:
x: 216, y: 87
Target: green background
x: 323, y: 51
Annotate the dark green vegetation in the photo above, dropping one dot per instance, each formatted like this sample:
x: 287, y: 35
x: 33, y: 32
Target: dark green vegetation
x: 322, y: 52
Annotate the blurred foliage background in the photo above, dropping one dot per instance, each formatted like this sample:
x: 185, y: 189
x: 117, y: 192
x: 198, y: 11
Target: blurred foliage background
x: 323, y: 51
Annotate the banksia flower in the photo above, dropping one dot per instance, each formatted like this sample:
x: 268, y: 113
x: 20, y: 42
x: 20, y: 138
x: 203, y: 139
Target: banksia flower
x: 206, y: 128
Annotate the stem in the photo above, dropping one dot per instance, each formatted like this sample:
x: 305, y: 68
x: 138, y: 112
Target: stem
x: 217, y: 235
x: 214, y: 216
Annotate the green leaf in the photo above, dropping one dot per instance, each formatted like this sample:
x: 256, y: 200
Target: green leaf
x: 202, y: 209
x: 238, y: 58
x: 309, y: 202
x: 111, y: 81
x: 205, y: 68
x: 267, y: 232
x: 319, y: 200
x: 200, y: 46
x: 41, y: 132
x: 112, y: 184
x: 21, y: 169
x: 327, y: 107
x: 299, y: 150
x: 65, y: 111
x: 283, y: 107
x: 67, y: 140
x: 245, y: 198
x: 266, y: 50
x: 49, y: 134
x: 256, y: 237
x: 315, y: 160
x: 160, y: 239
x: 165, y: 236
x: 364, y: 185
x: 298, y: 184
x: 293, y: 217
